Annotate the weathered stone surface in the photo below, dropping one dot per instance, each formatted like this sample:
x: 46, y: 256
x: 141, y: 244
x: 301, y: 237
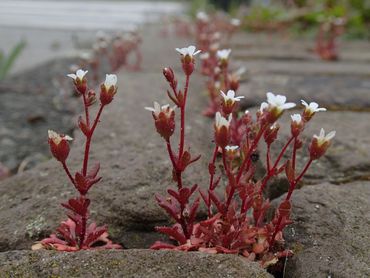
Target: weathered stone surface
x: 334, y: 91
x: 128, y: 263
x: 330, y: 235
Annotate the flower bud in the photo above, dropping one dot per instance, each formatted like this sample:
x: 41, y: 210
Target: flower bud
x: 59, y: 146
x: 108, y: 89
x: 79, y: 80
x: 222, y: 134
x: 164, y: 119
x: 296, y: 125
x: 320, y: 143
x: 270, y: 133
x: 168, y: 74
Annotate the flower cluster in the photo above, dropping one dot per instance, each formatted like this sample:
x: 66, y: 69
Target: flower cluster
x: 76, y: 233
x: 236, y: 223
x: 116, y: 50
x: 215, y: 61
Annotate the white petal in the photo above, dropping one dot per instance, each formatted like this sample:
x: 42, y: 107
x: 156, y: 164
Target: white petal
x: 110, y: 80
x: 287, y: 105
x: 330, y: 135
x: 72, y: 75
x: 231, y: 93
x: 304, y: 103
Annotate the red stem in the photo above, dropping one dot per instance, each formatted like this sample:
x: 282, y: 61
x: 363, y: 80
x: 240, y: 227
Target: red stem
x: 65, y: 167
x: 86, y: 110
x: 182, y: 109
x: 247, y: 157
x: 229, y: 175
x: 289, y: 195
x: 271, y: 172
x: 88, y: 141
x: 211, y: 179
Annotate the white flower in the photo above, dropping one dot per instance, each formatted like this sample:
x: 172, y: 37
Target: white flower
x: 297, y: 118
x: 231, y: 148
x: 223, y: 54
x: 158, y: 109
x: 110, y: 80
x: 190, y: 50
x: 202, y: 16
x: 204, y: 56
x: 80, y: 74
x: 57, y: 138
x: 235, y: 22
x: 322, y: 138
x: 279, y: 102
x: 313, y: 107
x: 221, y: 121
x: 230, y: 96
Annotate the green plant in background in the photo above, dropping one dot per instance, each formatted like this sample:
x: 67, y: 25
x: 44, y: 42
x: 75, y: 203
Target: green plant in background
x: 7, y: 61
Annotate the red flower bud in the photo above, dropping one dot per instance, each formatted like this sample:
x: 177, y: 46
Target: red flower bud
x: 59, y: 146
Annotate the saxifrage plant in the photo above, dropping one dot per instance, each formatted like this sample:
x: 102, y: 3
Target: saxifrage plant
x: 237, y: 221
x: 76, y: 233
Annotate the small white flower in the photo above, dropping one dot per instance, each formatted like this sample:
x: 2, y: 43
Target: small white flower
x: 239, y: 72
x: 110, y: 80
x: 190, y: 50
x: 223, y: 54
x: 297, y: 118
x: 322, y: 138
x: 230, y: 96
x: 221, y: 121
x: 279, y: 102
x: 57, y: 138
x: 80, y: 74
x: 313, y: 107
x: 231, y: 148
x: 204, y: 56
x: 246, y: 112
x: 235, y: 22
x: 202, y: 16
x: 158, y: 109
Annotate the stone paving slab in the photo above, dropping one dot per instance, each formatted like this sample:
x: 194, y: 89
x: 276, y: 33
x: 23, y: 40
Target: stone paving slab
x: 330, y: 234
x: 347, y: 159
x: 128, y: 263
x: 335, y: 92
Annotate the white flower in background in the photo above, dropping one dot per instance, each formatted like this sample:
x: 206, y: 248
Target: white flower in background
x: 313, y: 107
x: 158, y: 109
x: 204, y: 56
x: 235, y: 22
x: 110, y: 81
x: 231, y: 148
x: 322, y: 138
x: 80, y: 74
x: 190, y: 50
x: 57, y: 138
x: 279, y: 102
x: 221, y: 121
x: 230, y: 96
x: 297, y: 118
x: 223, y: 54
x: 202, y: 16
